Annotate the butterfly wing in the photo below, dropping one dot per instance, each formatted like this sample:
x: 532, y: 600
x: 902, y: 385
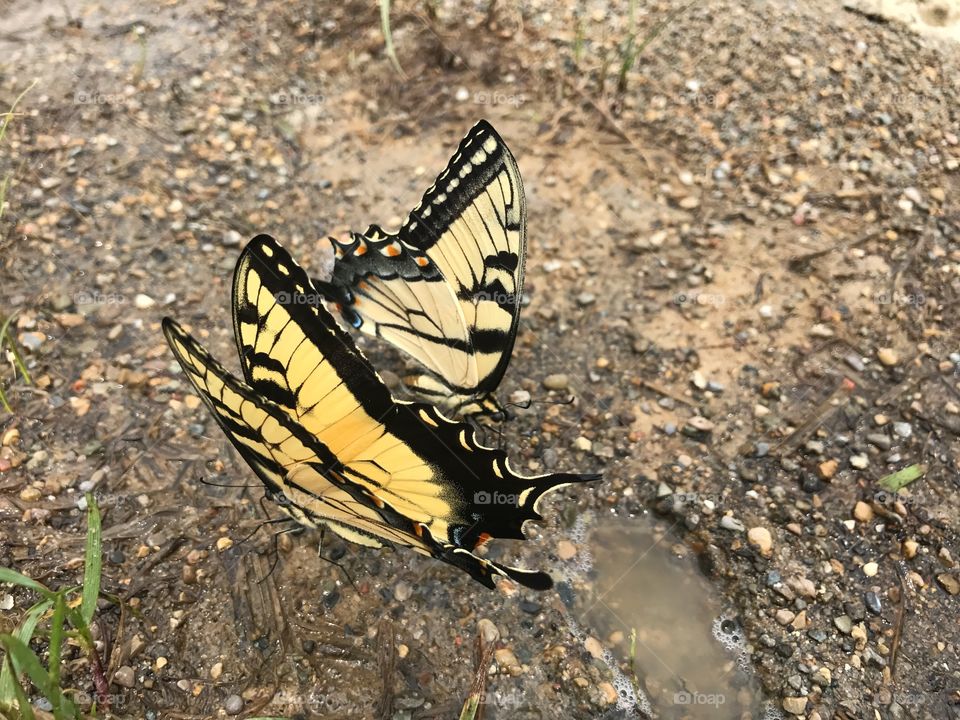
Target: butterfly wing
x: 446, y: 287
x: 406, y: 457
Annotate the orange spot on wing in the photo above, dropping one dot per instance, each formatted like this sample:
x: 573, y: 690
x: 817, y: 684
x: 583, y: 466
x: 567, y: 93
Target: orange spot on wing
x: 422, y: 261
x: 484, y: 537
x: 393, y: 250
x: 360, y: 250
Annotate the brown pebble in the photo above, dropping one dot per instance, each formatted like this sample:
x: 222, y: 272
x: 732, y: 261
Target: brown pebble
x: 862, y: 511
x: 828, y: 469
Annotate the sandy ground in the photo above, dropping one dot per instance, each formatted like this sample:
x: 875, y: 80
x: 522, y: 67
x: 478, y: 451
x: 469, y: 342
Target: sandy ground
x: 743, y: 265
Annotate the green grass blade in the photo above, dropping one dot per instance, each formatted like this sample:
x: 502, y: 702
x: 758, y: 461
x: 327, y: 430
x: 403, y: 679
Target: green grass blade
x: 24, y: 632
x: 900, y: 479
x: 25, y: 659
x: 56, y: 639
x: 8, y: 115
x: 93, y: 561
x: 22, y: 703
x: 388, y: 37
x: 470, y: 707
x: 14, y: 578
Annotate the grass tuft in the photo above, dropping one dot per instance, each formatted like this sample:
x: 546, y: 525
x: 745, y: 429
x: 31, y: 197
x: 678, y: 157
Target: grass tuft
x: 62, y: 622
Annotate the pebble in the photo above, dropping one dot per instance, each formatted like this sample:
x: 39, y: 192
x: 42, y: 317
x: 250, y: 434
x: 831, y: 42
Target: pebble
x: 402, y: 591
x: 583, y: 444
x: 6, y: 602
x: 949, y: 582
x: 216, y: 671
x: 761, y: 538
x: 903, y: 429
x: 795, y: 705
x: 125, y: 676
x: 828, y: 469
x: 700, y: 424
x: 910, y: 548
x: 143, y: 302
x: 816, y: 634
x: 879, y: 440
x: 487, y: 631
x: 862, y: 511
x: 224, y: 543
x: 729, y: 522
x: 30, y: 494
x: 556, y: 381
x: 859, y: 461
x: 872, y: 601
x: 566, y: 550
x: 10, y: 437
x: 507, y: 661
x: 766, y: 311
x: 593, y: 647
x: 585, y: 299
x: 887, y: 357
x: 870, y: 569
x: 844, y: 624
x: 233, y: 705
x: 784, y: 616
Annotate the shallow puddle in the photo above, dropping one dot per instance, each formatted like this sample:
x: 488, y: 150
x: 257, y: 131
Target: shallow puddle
x: 688, y: 659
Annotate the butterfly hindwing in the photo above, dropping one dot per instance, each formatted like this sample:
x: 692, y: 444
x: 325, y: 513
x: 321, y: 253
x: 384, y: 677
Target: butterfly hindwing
x: 446, y: 287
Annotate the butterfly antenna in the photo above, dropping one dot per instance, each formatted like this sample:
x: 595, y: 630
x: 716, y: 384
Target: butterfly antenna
x: 334, y: 562
x: 528, y: 403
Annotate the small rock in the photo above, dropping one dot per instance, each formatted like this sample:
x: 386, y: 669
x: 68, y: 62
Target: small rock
x: 910, y: 548
x: 859, y: 461
x: 800, y: 621
x: 816, y: 634
x: 879, y: 440
x: 795, y: 705
x: 402, y: 591
x: 10, y: 437
x: 585, y: 299
x: 761, y: 538
x: 701, y: 424
x: 903, y: 429
x: 844, y: 624
x: 593, y: 647
x: 862, y: 512
x: 487, y: 631
x: 784, y: 616
x: 870, y: 569
x: 949, y: 583
x: 216, y: 671
x: 233, y: 705
x: 143, y: 302
x: 887, y: 356
x: 872, y: 601
x: 507, y: 661
x: 583, y: 444
x: 729, y: 522
x: 224, y: 543
x: 610, y: 695
x: 125, y: 676
x: 828, y: 469
x: 556, y: 381
x: 566, y: 550
x: 30, y: 494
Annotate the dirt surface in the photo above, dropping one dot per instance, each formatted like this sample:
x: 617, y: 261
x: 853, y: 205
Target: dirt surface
x: 743, y: 264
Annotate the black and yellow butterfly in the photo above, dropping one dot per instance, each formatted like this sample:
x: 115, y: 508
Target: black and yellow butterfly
x: 446, y: 288
x: 332, y: 446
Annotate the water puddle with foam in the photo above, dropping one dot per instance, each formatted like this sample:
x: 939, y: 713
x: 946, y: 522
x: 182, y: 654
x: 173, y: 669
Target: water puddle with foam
x: 689, y: 657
